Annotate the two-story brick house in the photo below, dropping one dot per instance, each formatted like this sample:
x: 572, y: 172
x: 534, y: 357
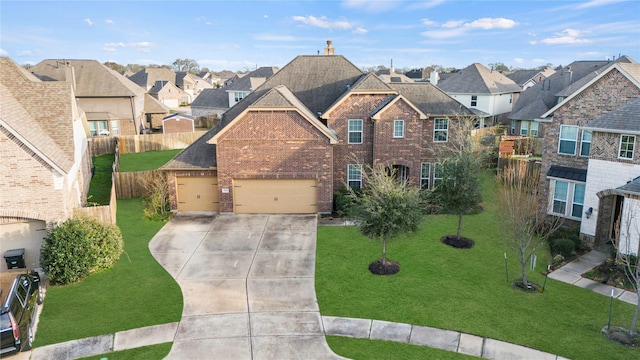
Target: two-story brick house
x: 307, y: 131
x: 585, y: 154
x: 45, y: 168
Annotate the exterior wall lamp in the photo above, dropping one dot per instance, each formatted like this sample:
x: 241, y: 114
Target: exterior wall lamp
x: 589, y: 212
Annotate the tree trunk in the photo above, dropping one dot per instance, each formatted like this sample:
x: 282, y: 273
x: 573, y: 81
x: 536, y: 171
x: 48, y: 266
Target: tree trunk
x: 523, y: 264
x: 459, y: 225
x: 384, y: 250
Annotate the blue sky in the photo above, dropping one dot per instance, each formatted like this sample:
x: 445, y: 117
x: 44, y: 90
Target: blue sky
x: 240, y: 35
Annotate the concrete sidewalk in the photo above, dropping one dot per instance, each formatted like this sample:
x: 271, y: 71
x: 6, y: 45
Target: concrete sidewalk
x: 571, y: 273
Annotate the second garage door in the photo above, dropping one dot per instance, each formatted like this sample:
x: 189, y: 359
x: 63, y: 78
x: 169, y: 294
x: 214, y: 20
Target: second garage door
x: 198, y: 193
x: 259, y: 196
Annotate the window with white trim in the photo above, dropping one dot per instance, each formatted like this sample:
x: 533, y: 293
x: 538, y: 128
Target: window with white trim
x: 568, y: 139
x: 355, y: 131
x: 425, y: 173
x: 354, y: 176
x: 568, y: 199
x: 398, y: 128
x: 627, y: 143
x: 98, y: 128
x: 513, y: 127
x: 529, y: 128
x: 441, y: 130
x: 585, y: 143
x: 239, y: 95
x: 474, y: 100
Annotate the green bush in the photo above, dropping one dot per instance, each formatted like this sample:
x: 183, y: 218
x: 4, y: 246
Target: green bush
x: 564, y: 247
x: 342, y: 202
x: 77, y: 247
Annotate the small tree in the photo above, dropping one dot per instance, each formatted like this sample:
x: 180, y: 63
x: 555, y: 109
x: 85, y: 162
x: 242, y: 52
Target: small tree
x: 630, y: 260
x: 156, y: 204
x: 459, y: 190
x: 386, y: 208
x: 525, y: 227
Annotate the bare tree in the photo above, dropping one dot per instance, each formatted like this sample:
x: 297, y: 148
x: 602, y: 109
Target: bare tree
x: 156, y: 204
x: 627, y: 256
x: 524, y: 226
x: 188, y: 65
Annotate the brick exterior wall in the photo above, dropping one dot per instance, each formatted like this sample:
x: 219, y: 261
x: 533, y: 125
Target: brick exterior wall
x: 274, y: 145
x: 608, y: 93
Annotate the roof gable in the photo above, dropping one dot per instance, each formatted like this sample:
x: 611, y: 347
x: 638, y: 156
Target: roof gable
x: 376, y: 114
x: 431, y: 100
x: 478, y: 79
x: 624, y: 120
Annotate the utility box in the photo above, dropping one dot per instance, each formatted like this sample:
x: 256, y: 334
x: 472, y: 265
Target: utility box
x: 14, y: 258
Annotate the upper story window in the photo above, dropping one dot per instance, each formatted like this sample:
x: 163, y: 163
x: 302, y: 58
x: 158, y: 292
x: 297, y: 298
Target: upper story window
x: 354, y: 176
x: 237, y: 96
x: 398, y: 128
x: 585, y: 143
x: 529, y: 128
x: 568, y: 199
x: 568, y: 139
x: 425, y: 173
x: 474, y: 100
x: 441, y: 130
x: 627, y: 143
x: 355, y: 131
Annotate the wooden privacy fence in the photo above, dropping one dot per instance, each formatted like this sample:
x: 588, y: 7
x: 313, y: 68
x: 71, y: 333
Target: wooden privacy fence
x: 101, y: 145
x: 106, y: 214
x: 130, y: 185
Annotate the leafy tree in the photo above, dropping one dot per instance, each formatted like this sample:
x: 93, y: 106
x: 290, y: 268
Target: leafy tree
x: 628, y: 230
x: 386, y: 208
x: 524, y: 225
x: 459, y: 190
x: 134, y: 68
x: 116, y: 67
x: 188, y: 65
x: 499, y: 67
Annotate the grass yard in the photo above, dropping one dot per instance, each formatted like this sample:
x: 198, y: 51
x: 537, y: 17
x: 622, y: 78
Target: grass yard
x: 460, y: 289
x: 384, y: 350
x: 144, y: 161
x: 147, y: 352
x: 100, y: 188
x: 136, y: 292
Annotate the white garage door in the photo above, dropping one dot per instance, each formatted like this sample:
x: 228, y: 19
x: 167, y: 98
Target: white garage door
x: 259, y: 196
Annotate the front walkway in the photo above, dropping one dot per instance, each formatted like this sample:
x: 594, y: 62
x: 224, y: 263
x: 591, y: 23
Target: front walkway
x: 571, y: 273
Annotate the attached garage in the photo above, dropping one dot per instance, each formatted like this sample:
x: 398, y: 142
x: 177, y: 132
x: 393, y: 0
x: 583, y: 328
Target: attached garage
x: 24, y: 234
x: 260, y: 196
x: 198, y: 193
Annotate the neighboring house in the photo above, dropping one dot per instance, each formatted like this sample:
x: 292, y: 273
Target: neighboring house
x: 589, y: 150
x: 210, y: 78
x: 169, y: 94
x: 227, y: 77
x: 148, y: 77
x: 46, y: 166
x: 538, y: 99
x: 113, y: 103
x: 489, y: 94
x: 390, y: 76
x: 191, y: 84
x: 309, y: 130
x: 177, y: 123
x: 217, y: 101
x: 528, y: 78
x: 154, y: 111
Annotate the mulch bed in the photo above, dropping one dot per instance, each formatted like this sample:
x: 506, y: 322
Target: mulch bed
x: 462, y: 243
x: 388, y: 268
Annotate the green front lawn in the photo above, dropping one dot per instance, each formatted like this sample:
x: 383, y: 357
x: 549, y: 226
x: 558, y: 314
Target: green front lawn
x: 145, y: 161
x: 461, y: 289
x: 136, y: 292
x: 146, y: 352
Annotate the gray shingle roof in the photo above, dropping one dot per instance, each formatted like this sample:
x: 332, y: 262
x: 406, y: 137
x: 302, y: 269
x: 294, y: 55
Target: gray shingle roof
x: 212, y: 98
x: 477, y: 79
x: 632, y: 187
x: 520, y: 77
x: 569, y: 173
x: 92, y: 78
x: 147, y: 77
x: 430, y: 99
x: 246, y: 83
x: 198, y: 155
x: 625, y: 119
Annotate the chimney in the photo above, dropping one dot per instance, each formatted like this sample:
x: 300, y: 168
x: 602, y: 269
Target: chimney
x: 434, y: 77
x: 329, y: 50
x: 568, y: 75
x: 70, y: 75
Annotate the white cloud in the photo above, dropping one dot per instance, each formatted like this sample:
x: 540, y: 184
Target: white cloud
x: 443, y: 34
x: 518, y: 60
x: 266, y: 16
x: 597, y: 3
x: 567, y: 36
x: 323, y: 22
x: 360, y: 31
x: 88, y: 21
x: 427, y: 22
x: 453, y: 24
x: 492, y: 23
x: 143, y: 46
x: 109, y: 21
x: 371, y: 6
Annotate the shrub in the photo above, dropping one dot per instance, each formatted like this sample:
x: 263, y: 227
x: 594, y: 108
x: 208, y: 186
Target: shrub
x: 564, y: 247
x: 342, y: 202
x: 156, y: 204
x: 77, y: 247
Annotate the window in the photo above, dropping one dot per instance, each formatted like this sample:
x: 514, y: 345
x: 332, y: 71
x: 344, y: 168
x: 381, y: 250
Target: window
x: 568, y: 139
x: 355, y: 131
x: 533, y: 129
x: 474, y: 100
x: 114, y: 127
x: 441, y: 130
x: 354, y: 176
x: 568, y: 199
x: 237, y: 96
x: 398, y: 128
x: 513, y: 127
x: 626, y: 146
x: 98, y: 128
x: 437, y: 174
x: 585, y: 143
x: 425, y: 172
x: 529, y: 128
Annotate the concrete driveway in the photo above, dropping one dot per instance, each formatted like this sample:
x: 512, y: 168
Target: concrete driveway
x: 248, y: 286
